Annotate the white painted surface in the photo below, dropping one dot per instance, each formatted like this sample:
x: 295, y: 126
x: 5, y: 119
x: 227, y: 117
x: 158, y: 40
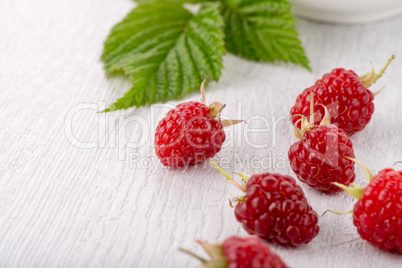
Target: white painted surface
x: 66, y: 206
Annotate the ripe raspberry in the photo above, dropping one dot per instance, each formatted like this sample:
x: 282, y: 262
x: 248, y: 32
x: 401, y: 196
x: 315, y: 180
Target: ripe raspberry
x: 318, y: 159
x: 236, y: 252
x: 349, y: 102
x: 250, y: 252
x: 275, y: 209
x: 188, y: 135
x: 378, y: 211
x: 191, y: 133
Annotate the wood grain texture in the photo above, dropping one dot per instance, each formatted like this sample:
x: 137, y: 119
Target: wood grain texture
x: 109, y: 203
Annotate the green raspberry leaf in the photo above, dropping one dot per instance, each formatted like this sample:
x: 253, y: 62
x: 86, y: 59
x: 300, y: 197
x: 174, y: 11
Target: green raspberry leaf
x: 165, y: 50
x: 262, y: 30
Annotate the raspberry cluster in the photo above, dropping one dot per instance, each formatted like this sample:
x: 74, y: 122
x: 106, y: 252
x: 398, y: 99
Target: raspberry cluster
x: 274, y: 207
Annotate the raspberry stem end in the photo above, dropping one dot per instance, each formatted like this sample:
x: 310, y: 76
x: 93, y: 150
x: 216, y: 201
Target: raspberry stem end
x: 370, y: 78
x: 230, y: 179
x: 355, y: 191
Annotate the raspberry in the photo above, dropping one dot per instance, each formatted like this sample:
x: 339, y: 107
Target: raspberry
x: 378, y: 211
x: 190, y: 133
x: 275, y: 209
x: 236, y: 252
x: 318, y: 159
x: 349, y: 102
x: 249, y: 252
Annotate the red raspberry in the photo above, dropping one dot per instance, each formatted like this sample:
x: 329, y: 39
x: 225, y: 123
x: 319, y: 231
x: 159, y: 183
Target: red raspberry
x: 236, y: 252
x: 250, y: 252
x: 191, y: 133
x: 349, y: 102
x: 378, y: 212
x: 274, y: 208
x: 188, y: 135
x: 318, y: 159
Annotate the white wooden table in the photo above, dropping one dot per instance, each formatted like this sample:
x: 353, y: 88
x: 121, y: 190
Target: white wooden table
x: 82, y: 189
